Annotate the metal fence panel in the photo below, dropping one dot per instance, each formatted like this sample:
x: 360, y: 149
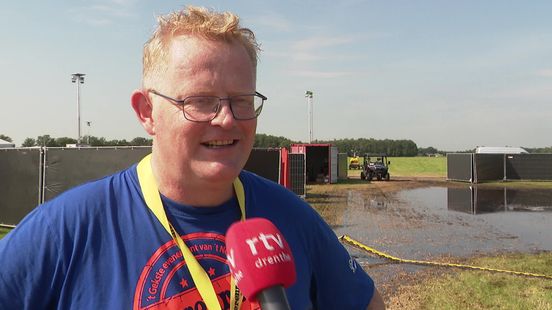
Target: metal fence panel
x: 265, y: 162
x: 459, y: 167
x: 460, y: 199
x: 20, y: 175
x: 65, y: 168
x: 30, y: 176
x: 529, y: 199
x: 297, y: 173
x: 488, y: 167
x: 489, y: 200
x: 342, y: 166
x: 529, y: 167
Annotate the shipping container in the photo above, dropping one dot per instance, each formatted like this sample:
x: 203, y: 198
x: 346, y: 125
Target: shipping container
x: 320, y: 162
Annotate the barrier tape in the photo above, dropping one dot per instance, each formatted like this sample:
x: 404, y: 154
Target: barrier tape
x: 353, y: 242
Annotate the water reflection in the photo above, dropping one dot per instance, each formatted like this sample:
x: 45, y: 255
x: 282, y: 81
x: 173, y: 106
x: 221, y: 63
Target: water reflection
x: 475, y: 200
x: 439, y: 222
x: 433, y: 221
x: 492, y: 215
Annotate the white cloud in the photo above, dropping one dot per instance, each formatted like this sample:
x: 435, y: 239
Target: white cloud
x: 94, y: 21
x: 123, y: 2
x: 545, y: 73
x: 320, y: 74
x: 103, y: 13
x: 315, y: 43
x: 314, y: 49
x: 274, y: 22
x: 525, y: 93
x: 111, y: 10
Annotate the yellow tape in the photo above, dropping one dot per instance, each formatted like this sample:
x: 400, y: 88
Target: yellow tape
x: 353, y: 242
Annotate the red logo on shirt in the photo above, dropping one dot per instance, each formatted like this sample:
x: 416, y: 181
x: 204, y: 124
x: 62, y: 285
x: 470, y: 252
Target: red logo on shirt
x: 166, y: 283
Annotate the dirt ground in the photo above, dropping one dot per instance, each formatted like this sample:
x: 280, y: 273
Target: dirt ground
x: 394, y: 185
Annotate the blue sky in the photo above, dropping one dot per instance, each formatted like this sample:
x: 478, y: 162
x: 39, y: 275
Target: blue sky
x: 449, y: 74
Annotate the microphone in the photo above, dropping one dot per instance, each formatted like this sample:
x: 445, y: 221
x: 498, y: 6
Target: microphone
x: 261, y: 262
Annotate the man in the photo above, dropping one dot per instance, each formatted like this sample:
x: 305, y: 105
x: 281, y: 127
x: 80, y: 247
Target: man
x: 152, y: 236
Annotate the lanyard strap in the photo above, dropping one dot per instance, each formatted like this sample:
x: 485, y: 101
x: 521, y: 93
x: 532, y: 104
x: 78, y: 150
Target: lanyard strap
x: 149, y: 188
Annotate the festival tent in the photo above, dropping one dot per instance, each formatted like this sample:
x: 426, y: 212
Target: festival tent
x: 500, y: 150
x: 5, y: 144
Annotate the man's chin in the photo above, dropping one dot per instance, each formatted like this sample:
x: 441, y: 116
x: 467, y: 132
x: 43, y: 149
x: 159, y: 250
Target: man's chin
x: 218, y: 172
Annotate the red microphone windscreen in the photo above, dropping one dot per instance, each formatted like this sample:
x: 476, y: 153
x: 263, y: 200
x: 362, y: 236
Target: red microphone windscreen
x: 259, y: 256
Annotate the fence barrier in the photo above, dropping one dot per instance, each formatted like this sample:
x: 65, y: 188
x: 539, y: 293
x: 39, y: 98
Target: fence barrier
x: 31, y: 176
x: 476, y: 168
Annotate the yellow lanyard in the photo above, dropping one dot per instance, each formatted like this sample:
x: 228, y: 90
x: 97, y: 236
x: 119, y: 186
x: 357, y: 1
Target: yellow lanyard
x: 150, y: 190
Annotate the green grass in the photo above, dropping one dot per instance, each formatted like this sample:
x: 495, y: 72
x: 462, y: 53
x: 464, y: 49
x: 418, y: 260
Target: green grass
x: 3, y: 232
x: 484, y: 290
x: 418, y: 166
x: 414, y: 167
x: 518, y: 184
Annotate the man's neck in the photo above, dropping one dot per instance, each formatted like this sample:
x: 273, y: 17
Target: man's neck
x: 189, y: 191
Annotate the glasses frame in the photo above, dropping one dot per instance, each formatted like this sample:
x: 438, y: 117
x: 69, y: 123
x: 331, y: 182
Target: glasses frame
x: 181, y: 102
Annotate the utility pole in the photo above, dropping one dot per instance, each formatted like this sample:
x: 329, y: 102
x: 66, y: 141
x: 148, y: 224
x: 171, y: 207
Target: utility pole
x: 79, y: 79
x: 88, y: 123
x: 309, y: 95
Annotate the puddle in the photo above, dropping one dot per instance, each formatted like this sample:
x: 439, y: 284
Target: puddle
x: 477, y: 201
x: 426, y: 223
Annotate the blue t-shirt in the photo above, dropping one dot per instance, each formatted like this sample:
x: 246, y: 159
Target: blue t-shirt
x: 98, y: 246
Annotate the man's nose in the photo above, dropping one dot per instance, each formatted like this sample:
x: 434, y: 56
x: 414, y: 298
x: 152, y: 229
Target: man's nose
x: 224, y: 117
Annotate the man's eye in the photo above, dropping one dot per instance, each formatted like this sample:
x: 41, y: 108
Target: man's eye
x: 201, y: 101
x: 242, y: 101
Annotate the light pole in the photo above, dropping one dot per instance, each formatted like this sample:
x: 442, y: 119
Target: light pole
x: 79, y: 79
x: 308, y: 95
x: 88, y: 123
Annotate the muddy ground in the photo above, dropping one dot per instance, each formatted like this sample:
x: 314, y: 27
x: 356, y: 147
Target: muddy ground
x: 333, y: 201
x: 378, y: 215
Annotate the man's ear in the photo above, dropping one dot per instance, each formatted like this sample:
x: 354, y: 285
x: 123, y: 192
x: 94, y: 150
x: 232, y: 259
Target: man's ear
x: 144, y: 110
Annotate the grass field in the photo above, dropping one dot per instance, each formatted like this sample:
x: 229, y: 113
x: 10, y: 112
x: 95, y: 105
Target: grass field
x: 414, y: 167
x: 3, y: 232
x: 518, y: 184
x: 418, y: 166
x: 483, y: 290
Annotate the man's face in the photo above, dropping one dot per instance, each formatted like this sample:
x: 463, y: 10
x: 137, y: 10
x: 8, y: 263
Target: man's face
x: 214, y: 151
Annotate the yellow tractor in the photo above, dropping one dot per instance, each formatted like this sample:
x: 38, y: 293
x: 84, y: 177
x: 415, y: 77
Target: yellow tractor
x: 354, y: 163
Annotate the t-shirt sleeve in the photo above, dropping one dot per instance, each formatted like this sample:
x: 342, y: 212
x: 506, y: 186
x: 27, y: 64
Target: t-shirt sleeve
x: 339, y: 282
x: 29, y: 266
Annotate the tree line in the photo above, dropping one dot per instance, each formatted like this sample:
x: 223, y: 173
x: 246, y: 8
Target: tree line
x: 352, y: 147
x: 47, y: 140
x: 539, y: 150
x: 395, y: 148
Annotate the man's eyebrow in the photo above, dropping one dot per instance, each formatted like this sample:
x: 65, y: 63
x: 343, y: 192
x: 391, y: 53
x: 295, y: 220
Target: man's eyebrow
x: 210, y: 93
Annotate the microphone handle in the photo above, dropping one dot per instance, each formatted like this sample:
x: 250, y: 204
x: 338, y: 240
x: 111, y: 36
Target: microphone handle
x: 273, y: 298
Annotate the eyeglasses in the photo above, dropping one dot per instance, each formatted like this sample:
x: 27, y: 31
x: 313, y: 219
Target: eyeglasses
x: 206, y: 108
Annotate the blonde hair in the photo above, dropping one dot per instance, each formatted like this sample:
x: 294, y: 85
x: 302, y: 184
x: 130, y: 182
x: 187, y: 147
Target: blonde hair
x: 194, y: 21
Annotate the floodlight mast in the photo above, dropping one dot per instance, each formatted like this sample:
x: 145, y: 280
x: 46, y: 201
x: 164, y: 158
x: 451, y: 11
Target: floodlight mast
x: 88, y: 123
x: 79, y: 79
x: 309, y: 94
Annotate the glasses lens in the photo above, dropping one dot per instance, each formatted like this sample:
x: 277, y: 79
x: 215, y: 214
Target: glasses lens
x: 200, y: 108
x: 246, y: 106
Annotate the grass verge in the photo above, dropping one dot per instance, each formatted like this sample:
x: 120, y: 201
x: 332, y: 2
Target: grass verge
x: 518, y: 184
x: 413, y: 167
x: 418, y: 166
x: 483, y: 290
x: 3, y: 232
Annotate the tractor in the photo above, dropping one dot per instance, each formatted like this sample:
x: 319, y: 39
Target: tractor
x: 354, y: 163
x: 375, y: 165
